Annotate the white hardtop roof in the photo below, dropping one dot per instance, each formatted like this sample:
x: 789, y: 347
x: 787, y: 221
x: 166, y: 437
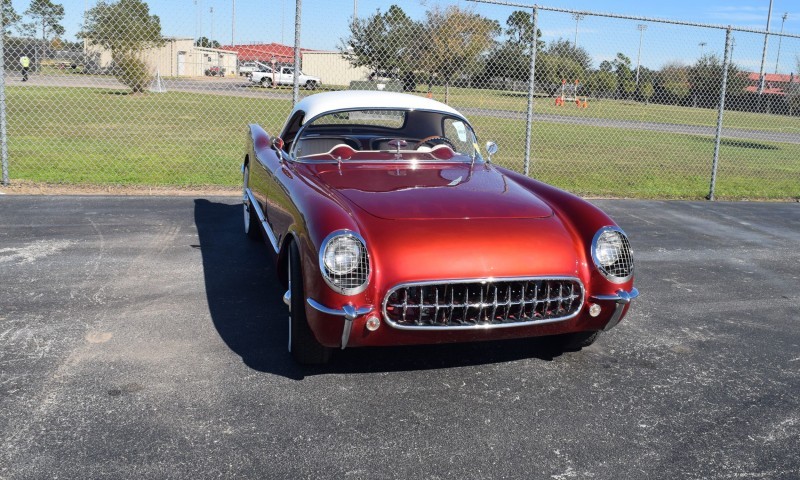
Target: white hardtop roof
x: 320, y: 103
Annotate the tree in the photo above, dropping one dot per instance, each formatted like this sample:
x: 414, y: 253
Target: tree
x: 646, y: 91
x: 626, y: 83
x: 566, y: 49
x: 511, y: 58
x: 47, y: 15
x: 705, y: 78
x: 126, y: 28
x: 10, y: 17
x: 520, y: 30
x: 673, y: 80
x: 206, y: 43
x: 455, y: 43
x: 601, y: 83
x: 386, y: 43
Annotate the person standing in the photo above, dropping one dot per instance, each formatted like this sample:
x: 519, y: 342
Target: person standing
x: 26, y: 63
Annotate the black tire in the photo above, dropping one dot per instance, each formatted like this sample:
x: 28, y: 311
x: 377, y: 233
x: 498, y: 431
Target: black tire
x: 266, y: 82
x: 575, y: 341
x: 305, y: 349
x: 311, y: 85
x: 251, y: 227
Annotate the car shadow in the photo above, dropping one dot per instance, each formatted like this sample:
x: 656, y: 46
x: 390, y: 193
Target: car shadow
x: 245, y: 303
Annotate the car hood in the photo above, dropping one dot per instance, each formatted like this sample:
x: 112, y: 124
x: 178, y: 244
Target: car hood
x: 432, y: 191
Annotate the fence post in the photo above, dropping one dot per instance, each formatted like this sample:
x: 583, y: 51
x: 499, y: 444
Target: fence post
x: 723, y: 90
x: 296, y: 82
x: 531, y: 88
x: 3, y: 137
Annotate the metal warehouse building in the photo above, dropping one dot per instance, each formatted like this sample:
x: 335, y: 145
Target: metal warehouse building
x: 179, y: 57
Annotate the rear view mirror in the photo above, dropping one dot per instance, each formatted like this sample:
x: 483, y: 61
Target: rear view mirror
x: 491, y: 149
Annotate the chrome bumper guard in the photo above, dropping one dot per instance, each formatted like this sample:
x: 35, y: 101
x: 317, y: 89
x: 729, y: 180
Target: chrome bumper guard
x: 349, y: 313
x: 621, y: 298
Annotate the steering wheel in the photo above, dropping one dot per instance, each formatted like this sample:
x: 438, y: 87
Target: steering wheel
x: 432, y: 138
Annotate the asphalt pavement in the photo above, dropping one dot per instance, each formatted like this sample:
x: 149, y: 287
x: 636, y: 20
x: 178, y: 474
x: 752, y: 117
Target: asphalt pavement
x: 144, y: 337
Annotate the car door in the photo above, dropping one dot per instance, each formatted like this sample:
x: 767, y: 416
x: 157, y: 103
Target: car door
x: 280, y: 209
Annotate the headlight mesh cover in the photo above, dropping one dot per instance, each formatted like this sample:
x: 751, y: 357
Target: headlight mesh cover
x: 354, y: 281
x: 622, y: 269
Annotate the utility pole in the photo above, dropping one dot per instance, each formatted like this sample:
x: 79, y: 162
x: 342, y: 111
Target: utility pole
x: 702, y: 47
x: 355, y: 12
x: 783, y: 20
x: 642, y: 27
x: 578, y: 17
x: 211, y: 38
x: 233, y: 22
x: 761, y: 80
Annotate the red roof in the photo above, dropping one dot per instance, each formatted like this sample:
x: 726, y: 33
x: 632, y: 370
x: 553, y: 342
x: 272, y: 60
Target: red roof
x: 773, y: 77
x: 265, y: 52
x: 774, y: 83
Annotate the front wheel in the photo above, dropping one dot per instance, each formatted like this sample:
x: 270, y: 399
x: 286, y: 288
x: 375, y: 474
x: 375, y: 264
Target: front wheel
x: 572, y: 342
x: 305, y: 349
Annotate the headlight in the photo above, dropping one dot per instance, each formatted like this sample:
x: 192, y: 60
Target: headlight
x: 344, y: 262
x: 342, y: 254
x: 612, y: 254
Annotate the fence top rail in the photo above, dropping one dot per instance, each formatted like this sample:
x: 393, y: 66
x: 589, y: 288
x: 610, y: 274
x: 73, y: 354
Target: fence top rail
x: 635, y: 17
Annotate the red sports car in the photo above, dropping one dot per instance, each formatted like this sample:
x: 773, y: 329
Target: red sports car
x: 391, y: 227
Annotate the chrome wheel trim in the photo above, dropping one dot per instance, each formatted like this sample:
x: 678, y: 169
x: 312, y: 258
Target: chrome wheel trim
x: 289, y: 347
x: 246, y: 200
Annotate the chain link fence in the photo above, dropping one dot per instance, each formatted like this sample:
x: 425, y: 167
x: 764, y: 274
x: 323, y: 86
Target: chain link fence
x: 597, y: 104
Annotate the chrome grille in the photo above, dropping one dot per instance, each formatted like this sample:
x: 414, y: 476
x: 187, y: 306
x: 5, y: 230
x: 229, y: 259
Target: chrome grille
x: 482, y: 304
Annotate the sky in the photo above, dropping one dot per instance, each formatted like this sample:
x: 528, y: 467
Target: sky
x: 324, y: 23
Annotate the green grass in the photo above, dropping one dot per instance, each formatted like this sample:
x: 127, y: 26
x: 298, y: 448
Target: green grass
x: 616, y: 110
x: 71, y: 135
x: 102, y: 136
x: 612, y: 162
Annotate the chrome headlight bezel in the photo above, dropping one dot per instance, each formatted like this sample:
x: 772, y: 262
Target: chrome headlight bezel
x: 624, y: 255
x: 355, y: 280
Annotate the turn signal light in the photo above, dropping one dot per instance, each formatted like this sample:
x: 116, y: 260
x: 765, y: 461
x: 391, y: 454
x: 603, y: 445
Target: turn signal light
x: 373, y: 323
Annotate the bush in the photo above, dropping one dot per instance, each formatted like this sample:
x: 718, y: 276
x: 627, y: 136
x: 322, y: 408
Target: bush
x: 132, y: 71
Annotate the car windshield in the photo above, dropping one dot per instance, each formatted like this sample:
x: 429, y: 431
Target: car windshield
x: 414, y: 134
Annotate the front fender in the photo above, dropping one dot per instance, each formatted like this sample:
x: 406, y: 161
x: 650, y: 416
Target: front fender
x: 583, y: 220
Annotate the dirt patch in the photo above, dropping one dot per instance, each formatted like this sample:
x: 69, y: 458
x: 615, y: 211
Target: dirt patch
x: 21, y: 187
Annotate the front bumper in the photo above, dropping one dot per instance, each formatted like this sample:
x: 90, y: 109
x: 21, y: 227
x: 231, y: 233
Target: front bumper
x: 387, y: 335
x: 622, y: 298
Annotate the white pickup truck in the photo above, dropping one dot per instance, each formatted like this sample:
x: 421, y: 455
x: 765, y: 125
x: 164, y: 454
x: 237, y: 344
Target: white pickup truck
x: 283, y: 76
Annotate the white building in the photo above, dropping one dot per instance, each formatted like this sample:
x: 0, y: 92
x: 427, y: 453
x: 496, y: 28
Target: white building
x: 179, y: 57
x: 332, y: 69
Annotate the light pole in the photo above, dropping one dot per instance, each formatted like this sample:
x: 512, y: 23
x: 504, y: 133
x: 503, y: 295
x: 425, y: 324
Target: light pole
x: 355, y: 12
x: 578, y: 17
x: 642, y: 27
x: 233, y: 23
x: 783, y: 20
x: 702, y: 46
x: 211, y: 38
x: 761, y: 81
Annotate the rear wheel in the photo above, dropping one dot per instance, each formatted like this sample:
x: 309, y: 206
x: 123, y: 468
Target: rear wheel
x: 266, y: 82
x: 250, y: 218
x: 311, y: 85
x: 305, y: 349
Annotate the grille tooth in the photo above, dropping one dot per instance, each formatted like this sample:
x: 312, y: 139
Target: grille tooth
x: 509, y: 301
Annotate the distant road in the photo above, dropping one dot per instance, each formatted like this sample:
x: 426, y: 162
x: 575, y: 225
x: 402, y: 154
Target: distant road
x: 241, y: 87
